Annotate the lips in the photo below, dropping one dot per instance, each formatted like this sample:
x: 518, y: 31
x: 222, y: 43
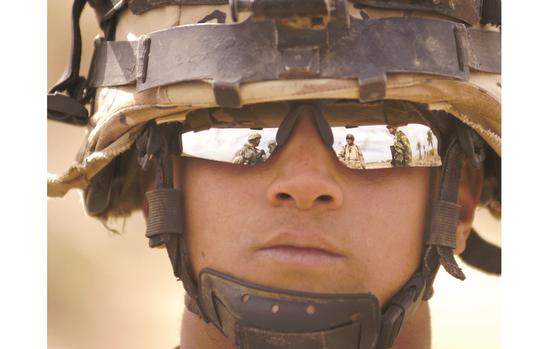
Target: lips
x: 300, y: 249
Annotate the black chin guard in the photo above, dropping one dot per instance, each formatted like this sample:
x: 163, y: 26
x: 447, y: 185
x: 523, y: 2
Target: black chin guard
x: 257, y: 317
x: 262, y: 317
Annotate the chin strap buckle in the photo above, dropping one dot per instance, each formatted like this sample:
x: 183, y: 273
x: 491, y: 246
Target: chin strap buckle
x: 401, y: 307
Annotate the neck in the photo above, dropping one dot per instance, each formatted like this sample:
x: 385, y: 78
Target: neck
x: 196, y: 334
x: 417, y: 333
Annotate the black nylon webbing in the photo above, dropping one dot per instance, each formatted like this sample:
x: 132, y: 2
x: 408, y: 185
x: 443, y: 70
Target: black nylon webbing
x: 451, y: 173
x: 232, y: 54
x: 441, y: 240
x: 445, y: 216
x: 165, y: 224
x: 165, y: 212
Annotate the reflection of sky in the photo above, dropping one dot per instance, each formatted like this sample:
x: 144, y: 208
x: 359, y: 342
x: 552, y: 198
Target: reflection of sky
x: 374, y: 141
x: 222, y: 144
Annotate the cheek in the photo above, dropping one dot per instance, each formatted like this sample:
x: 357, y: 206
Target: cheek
x: 217, y: 208
x: 388, y: 213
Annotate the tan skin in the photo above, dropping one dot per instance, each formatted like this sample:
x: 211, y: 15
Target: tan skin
x: 304, y: 221
x: 255, y: 142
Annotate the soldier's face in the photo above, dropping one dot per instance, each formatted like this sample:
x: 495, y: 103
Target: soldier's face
x: 304, y: 221
x: 350, y: 141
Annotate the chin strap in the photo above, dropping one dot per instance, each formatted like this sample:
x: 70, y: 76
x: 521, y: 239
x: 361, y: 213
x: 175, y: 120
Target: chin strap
x: 257, y: 317
x: 463, y: 143
x: 165, y: 226
x: 445, y: 216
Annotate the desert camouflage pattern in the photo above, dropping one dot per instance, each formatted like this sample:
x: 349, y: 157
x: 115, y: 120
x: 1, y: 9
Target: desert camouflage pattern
x: 120, y: 112
x: 352, y: 156
x: 249, y: 155
x: 402, y: 155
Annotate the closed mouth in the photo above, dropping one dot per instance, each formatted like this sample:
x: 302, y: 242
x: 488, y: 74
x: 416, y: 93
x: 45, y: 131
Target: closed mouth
x: 301, y: 254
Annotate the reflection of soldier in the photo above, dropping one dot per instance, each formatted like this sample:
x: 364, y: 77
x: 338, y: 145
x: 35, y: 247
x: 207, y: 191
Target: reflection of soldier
x: 351, y: 154
x: 400, y: 150
x: 249, y: 154
x: 271, y: 147
x: 431, y: 141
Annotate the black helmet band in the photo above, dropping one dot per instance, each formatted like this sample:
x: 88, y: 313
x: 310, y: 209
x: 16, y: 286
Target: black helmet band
x: 264, y: 50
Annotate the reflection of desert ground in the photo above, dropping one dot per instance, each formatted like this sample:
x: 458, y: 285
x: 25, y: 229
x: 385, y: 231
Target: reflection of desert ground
x: 379, y: 164
x: 425, y: 161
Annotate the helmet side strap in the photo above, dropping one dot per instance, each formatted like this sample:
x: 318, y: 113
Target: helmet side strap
x: 441, y: 239
x: 165, y: 226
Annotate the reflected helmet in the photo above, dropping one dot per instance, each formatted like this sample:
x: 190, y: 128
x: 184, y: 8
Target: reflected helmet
x: 253, y: 136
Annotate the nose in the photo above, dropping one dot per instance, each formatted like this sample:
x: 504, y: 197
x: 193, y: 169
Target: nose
x: 305, y: 171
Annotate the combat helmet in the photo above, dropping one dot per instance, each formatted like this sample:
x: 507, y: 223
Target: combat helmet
x: 253, y: 136
x: 156, y: 63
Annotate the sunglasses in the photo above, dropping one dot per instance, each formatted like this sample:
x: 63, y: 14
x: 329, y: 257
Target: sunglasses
x: 363, y: 136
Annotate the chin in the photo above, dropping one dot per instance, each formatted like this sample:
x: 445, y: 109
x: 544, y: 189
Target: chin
x: 303, y: 279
